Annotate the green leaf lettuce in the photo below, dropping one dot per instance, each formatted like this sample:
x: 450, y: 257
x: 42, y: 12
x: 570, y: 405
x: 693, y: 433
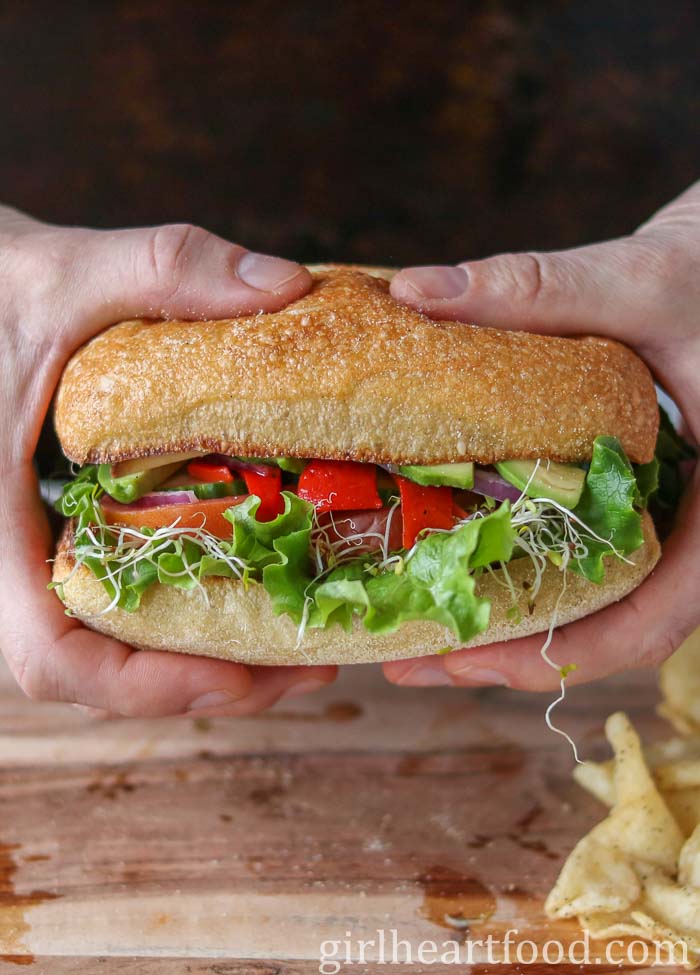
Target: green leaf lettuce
x: 608, y: 508
x: 435, y: 581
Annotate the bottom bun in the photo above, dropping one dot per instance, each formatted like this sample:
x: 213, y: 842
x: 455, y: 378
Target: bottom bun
x: 235, y: 623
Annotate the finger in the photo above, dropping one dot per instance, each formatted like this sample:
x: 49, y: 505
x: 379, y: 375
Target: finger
x: 56, y: 658
x: 91, y: 279
x: 14, y: 222
x: 622, y: 637
x: 94, y: 714
x: 616, y: 288
x: 271, y: 684
x: 640, y: 631
x: 174, y: 271
x: 679, y: 214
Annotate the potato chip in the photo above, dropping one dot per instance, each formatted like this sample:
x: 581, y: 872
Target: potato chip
x: 637, y: 924
x: 639, y: 823
x: 594, y: 878
x: 683, y: 804
x: 635, y: 874
x: 673, y: 904
x: 685, y: 808
x: 614, y: 924
x: 689, y: 861
x: 597, y: 778
x: 679, y: 679
x: 670, y: 938
x: 683, y: 774
x: 672, y: 750
x: 682, y: 799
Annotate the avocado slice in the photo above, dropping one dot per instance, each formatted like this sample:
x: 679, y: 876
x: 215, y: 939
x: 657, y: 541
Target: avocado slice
x: 562, y: 483
x: 131, y: 487
x: 448, y: 475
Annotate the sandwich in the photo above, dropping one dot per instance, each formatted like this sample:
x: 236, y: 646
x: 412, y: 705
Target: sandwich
x: 347, y: 480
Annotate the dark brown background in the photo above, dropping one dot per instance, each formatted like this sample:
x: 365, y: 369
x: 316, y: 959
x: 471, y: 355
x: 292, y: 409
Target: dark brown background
x: 389, y: 132
x: 381, y: 132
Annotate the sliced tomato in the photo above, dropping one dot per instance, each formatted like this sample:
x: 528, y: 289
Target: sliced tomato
x: 339, y: 485
x: 365, y: 531
x: 198, y: 514
x: 424, y: 507
x: 268, y: 488
x: 204, y: 470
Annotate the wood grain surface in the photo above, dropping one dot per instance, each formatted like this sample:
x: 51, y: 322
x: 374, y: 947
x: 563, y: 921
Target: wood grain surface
x: 230, y: 847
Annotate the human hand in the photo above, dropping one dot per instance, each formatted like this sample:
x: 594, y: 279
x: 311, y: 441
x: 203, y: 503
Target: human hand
x: 58, y: 288
x: 643, y: 290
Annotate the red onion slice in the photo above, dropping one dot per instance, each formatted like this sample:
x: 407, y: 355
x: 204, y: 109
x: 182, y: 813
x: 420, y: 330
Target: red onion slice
x: 157, y: 499
x: 364, y: 530
x: 492, y: 485
x: 234, y: 464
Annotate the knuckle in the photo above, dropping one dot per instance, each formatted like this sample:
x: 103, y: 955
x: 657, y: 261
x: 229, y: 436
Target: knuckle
x: 529, y: 278
x: 170, y: 249
x: 33, y: 666
x: 38, y: 263
x: 522, y: 278
x: 661, y: 265
x: 662, y: 646
x: 647, y: 263
x: 31, y: 679
x: 655, y: 644
x: 655, y: 652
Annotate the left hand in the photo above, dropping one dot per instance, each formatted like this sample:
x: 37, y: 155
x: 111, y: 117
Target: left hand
x: 60, y: 287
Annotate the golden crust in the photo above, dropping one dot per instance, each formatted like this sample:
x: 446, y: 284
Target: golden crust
x: 348, y: 372
x: 238, y: 624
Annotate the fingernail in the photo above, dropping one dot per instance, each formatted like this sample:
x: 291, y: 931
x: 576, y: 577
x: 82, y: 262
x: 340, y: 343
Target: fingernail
x: 478, y: 675
x: 428, y: 673
x: 436, y: 282
x: 97, y: 714
x: 212, y: 699
x: 265, y: 273
x: 304, y: 687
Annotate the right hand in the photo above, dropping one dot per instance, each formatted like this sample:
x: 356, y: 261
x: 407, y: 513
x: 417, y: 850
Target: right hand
x: 58, y: 288
x: 643, y: 290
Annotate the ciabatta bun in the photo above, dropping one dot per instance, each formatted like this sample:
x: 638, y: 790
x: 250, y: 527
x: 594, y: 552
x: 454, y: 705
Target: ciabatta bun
x: 348, y: 372
x: 235, y: 623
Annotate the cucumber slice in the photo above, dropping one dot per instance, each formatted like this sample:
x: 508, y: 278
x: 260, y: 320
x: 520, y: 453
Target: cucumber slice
x: 291, y: 464
x: 449, y: 475
x: 218, y: 489
x: 388, y: 495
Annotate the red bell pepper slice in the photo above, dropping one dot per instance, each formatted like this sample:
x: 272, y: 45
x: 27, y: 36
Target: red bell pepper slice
x: 339, y: 485
x: 206, y: 470
x: 268, y: 488
x: 423, y: 507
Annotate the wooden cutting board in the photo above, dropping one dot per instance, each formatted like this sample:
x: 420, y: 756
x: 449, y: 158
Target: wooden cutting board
x: 232, y: 846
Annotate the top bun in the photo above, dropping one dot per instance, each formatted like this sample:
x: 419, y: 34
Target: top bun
x: 349, y: 372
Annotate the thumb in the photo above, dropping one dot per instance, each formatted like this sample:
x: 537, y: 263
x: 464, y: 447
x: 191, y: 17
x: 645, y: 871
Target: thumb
x: 179, y: 271
x: 597, y: 289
